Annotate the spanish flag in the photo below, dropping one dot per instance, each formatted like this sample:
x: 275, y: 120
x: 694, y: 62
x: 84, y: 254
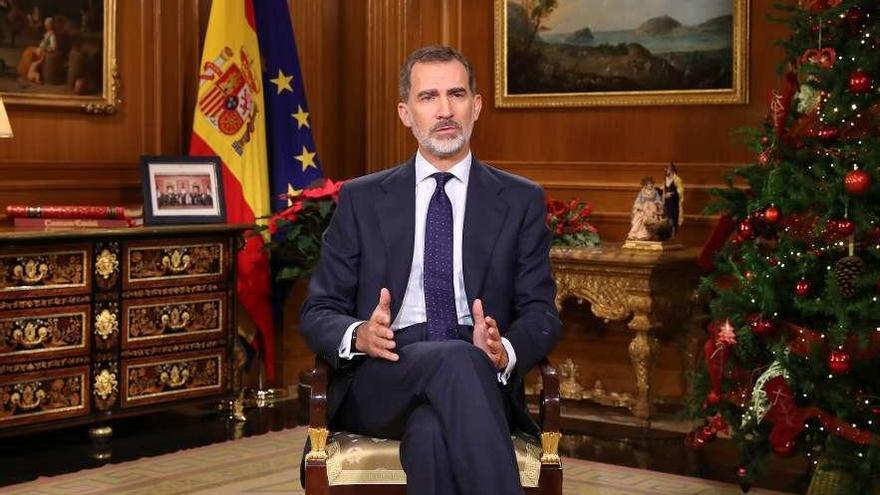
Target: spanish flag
x: 229, y: 122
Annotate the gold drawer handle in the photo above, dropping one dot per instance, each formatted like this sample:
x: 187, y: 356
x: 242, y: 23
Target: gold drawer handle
x: 176, y: 318
x: 28, y: 396
x: 30, y: 271
x: 177, y: 261
x: 31, y: 334
x: 175, y: 376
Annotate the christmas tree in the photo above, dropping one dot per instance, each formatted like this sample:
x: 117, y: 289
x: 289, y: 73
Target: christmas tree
x: 791, y: 365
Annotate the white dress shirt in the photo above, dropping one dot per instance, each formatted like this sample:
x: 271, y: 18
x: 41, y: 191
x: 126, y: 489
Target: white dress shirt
x: 412, y: 309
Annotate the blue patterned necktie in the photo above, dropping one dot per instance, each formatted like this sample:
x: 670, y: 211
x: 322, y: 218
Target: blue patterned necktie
x: 439, y: 289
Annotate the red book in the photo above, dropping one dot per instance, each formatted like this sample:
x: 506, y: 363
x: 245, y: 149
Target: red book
x: 74, y: 212
x: 75, y: 223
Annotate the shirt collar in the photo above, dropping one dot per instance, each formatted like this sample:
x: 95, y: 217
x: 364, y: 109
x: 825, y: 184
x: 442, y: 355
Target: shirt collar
x: 460, y: 170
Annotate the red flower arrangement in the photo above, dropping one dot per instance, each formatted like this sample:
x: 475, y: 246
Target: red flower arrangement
x: 568, y: 223
x: 294, y: 240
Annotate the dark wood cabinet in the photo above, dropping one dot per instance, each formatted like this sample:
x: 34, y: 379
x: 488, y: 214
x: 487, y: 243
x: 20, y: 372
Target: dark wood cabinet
x: 96, y: 324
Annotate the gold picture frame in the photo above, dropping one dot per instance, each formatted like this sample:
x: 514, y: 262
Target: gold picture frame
x: 547, y: 74
x: 61, y: 54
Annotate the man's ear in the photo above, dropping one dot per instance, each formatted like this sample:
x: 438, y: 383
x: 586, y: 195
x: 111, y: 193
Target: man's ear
x: 478, y: 105
x: 403, y: 113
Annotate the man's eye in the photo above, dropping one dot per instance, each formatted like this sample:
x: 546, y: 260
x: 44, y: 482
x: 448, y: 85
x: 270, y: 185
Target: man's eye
x: 427, y: 97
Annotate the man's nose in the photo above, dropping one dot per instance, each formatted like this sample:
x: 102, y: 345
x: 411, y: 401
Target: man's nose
x: 444, y: 111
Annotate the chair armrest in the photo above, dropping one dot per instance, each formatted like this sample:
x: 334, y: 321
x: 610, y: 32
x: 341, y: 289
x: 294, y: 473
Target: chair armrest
x: 549, y: 400
x: 318, y: 396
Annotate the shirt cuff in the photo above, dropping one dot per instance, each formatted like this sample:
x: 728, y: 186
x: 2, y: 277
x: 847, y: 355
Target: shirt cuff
x: 345, y: 350
x: 504, y: 375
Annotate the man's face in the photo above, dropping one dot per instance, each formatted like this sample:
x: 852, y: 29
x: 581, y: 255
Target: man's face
x: 441, y: 110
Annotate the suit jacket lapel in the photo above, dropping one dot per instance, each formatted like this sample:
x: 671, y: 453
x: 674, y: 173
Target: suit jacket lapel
x: 484, y: 215
x: 397, y: 220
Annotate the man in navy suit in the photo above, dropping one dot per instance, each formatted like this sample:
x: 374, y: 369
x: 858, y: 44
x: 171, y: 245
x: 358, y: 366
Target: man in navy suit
x: 434, y: 295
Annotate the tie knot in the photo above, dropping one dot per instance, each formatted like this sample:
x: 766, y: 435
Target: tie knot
x: 442, y: 178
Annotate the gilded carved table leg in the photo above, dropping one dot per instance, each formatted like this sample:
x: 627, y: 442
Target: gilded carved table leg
x: 641, y: 352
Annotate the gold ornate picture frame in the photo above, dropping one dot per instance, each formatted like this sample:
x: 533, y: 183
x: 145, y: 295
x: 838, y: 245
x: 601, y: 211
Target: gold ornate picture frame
x: 637, y: 52
x: 58, y: 53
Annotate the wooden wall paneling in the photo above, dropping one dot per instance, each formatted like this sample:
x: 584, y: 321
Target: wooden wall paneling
x: 72, y: 157
x: 353, y: 77
x: 394, y: 29
x: 387, y: 24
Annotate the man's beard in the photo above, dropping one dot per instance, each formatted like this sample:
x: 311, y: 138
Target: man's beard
x: 446, y: 146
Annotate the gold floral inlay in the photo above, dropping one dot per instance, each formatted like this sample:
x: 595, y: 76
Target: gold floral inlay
x: 107, y: 264
x: 106, y: 324
x: 105, y: 384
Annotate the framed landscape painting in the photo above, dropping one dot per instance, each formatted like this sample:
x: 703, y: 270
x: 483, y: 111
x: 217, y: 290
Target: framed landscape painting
x: 59, y: 53
x: 571, y: 53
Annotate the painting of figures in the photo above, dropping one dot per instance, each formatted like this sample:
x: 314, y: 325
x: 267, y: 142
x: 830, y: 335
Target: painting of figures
x: 55, y: 52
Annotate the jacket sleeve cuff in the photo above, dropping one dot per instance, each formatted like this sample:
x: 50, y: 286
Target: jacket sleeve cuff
x: 345, y: 350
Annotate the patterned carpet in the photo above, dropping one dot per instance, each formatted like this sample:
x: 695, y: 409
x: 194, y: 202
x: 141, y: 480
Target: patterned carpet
x: 267, y: 464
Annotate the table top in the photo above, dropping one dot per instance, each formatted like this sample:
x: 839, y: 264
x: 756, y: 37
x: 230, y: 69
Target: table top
x: 617, y: 254
x: 9, y: 234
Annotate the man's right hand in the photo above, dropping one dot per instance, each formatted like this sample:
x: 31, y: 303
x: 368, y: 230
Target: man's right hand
x: 375, y: 337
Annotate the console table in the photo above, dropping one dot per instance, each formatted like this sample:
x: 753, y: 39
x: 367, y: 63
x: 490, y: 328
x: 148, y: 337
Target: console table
x: 97, y: 324
x: 653, y: 287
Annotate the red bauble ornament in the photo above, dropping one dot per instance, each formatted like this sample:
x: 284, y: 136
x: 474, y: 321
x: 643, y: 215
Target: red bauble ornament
x: 764, y: 157
x: 855, y: 17
x: 741, y: 472
x: 713, y: 398
x: 826, y: 132
x: 694, y: 440
x: 746, y: 230
x: 765, y: 140
x: 772, y: 214
x: 784, y: 449
x: 857, y: 182
x: 839, y: 362
x: 802, y: 288
x: 860, y: 82
x: 709, y: 433
x: 845, y: 226
x: 759, y: 325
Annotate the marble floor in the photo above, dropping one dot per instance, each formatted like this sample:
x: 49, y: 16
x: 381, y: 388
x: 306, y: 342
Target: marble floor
x: 590, y: 433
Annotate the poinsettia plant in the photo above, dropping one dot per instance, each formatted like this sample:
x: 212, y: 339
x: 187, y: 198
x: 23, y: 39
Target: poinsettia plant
x: 569, y: 225
x: 294, y: 235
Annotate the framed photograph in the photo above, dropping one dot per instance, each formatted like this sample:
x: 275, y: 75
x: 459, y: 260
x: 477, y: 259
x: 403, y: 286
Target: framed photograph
x: 59, y: 53
x: 182, y: 189
x: 574, y: 53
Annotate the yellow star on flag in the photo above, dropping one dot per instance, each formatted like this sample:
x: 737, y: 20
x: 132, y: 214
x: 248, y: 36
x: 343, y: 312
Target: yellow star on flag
x: 302, y: 118
x: 307, y: 158
x: 282, y: 82
x: 292, y: 193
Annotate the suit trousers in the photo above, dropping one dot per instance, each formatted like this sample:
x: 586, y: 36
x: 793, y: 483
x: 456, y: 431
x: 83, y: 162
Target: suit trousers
x: 443, y: 401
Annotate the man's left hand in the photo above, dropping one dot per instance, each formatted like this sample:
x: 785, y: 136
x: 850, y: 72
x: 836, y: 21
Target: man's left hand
x: 487, y: 336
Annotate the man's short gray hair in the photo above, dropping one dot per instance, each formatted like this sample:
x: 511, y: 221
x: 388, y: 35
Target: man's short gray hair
x: 429, y: 54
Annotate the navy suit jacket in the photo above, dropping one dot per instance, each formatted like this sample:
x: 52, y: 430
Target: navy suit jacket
x: 505, y: 259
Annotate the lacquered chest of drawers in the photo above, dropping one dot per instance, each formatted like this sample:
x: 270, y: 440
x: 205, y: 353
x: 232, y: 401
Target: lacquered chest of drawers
x: 96, y: 324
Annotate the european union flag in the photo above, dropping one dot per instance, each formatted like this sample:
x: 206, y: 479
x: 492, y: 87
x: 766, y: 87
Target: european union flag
x: 293, y: 159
